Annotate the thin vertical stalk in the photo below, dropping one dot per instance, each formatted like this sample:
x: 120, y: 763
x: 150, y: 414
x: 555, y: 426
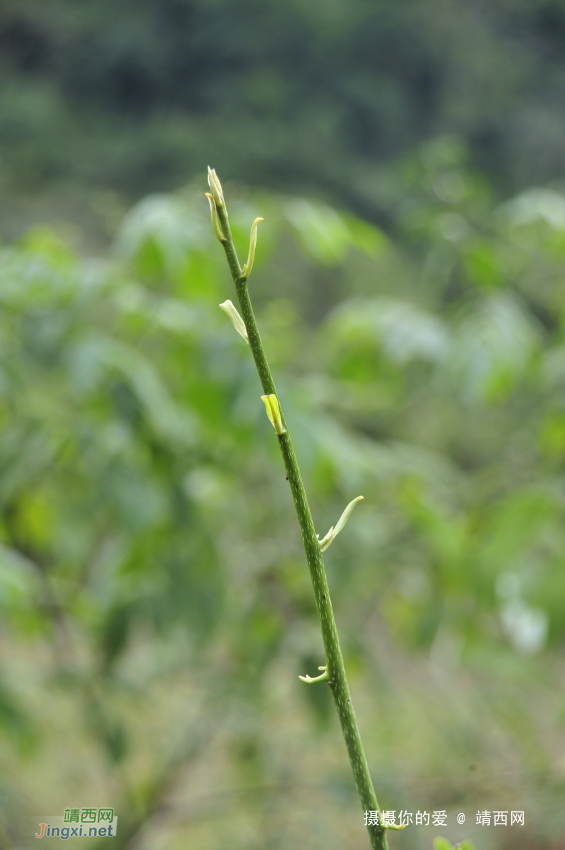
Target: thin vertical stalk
x: 336, y: 676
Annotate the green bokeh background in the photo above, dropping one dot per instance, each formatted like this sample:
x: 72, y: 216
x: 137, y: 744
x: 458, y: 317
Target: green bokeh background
x: 155, y: 606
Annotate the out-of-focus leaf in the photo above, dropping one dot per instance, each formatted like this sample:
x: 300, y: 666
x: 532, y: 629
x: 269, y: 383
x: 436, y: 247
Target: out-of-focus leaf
x: 526, y: 627
x: 366, y: 237
x: 403, y: 330
x: 442, y: 844
x: 321, y: 231
x: 493, y: 346
x: 554, y: 366
x: 18, y: 581
x: 483, y: 265
x: 161, y: 231
x: 32, y: 280
x: 90, y: 358
x: 537, y: 204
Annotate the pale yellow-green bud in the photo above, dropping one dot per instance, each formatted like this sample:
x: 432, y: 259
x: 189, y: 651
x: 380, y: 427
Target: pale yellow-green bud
x: 215, y: 219
x: 246, y: 270
x: 271, y: 403
x: 216, y: 187
x: 236, y: 319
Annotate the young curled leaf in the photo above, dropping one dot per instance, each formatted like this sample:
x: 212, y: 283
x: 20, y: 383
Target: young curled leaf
x: 215, y: 219
x: 323, y: 678
x: 327, y: 541
x: 236, y: 319
x: 246, y: 270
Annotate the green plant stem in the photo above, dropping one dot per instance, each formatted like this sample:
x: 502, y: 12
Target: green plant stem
x: 334, y: 659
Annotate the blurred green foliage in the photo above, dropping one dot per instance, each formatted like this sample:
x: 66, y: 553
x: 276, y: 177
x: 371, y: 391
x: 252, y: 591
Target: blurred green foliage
x: 100, y: 97
x: 155, y: 605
